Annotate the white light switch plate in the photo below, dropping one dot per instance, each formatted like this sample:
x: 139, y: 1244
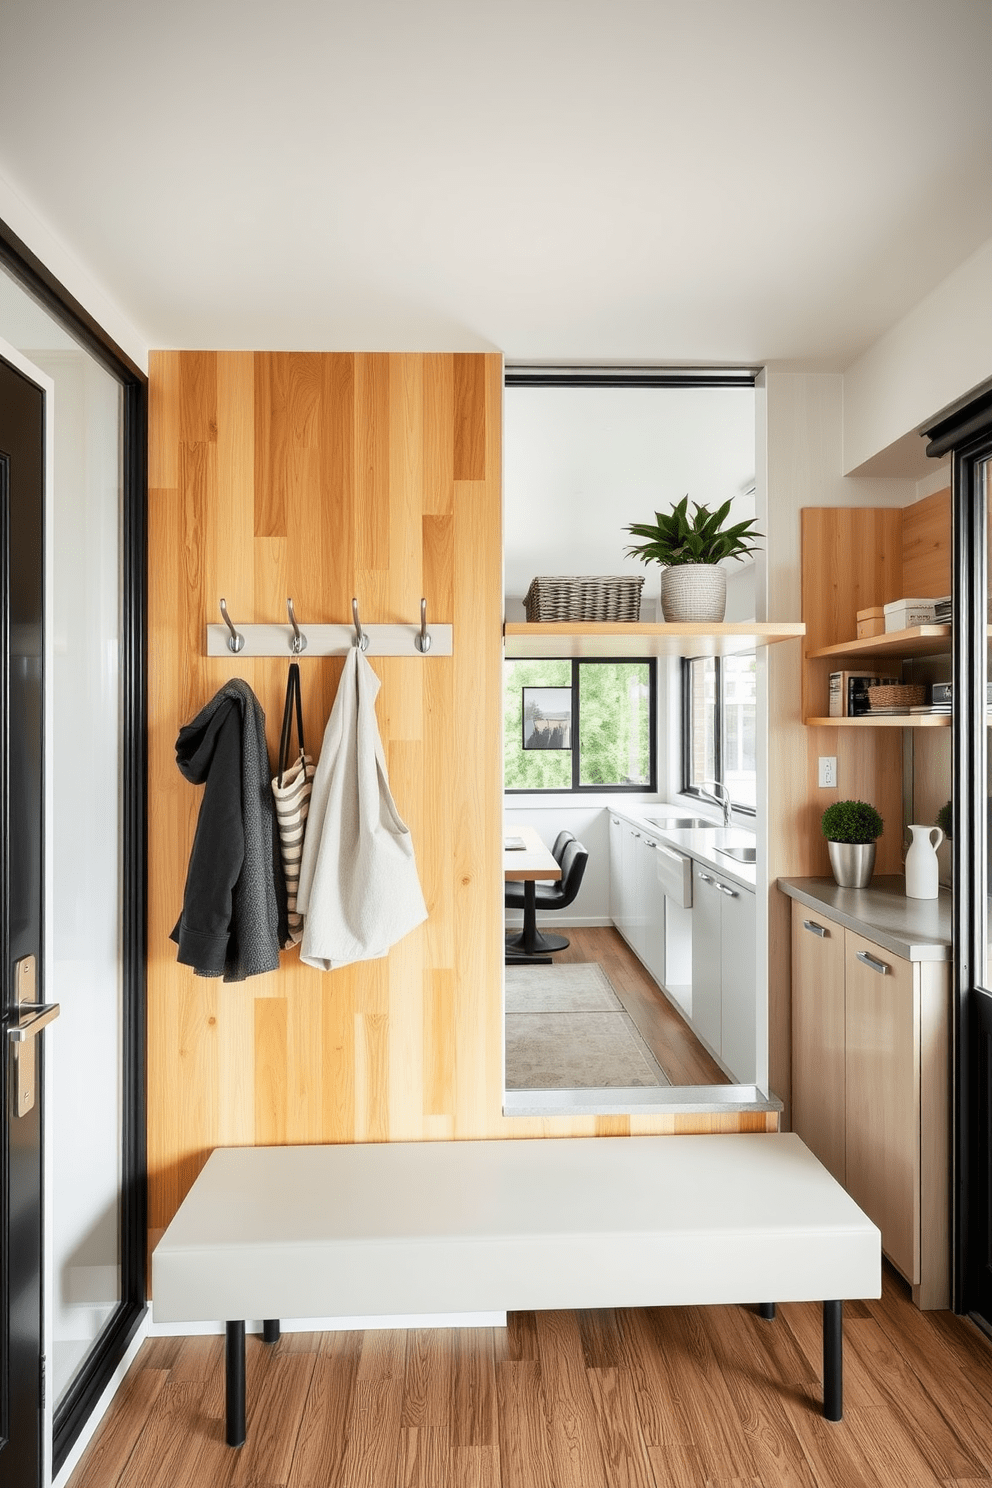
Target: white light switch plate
x: 828, y: 770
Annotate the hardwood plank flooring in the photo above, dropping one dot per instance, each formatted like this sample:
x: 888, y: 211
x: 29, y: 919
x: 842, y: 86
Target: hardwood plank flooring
x: 658, y: 1021
x: 634, y: 1398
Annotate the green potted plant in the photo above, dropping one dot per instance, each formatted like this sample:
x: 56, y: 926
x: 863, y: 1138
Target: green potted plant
x: 693, y: 587
x: 945, y: 821
x: 851, y: 828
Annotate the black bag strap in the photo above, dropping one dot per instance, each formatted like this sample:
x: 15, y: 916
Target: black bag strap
x: 293, y: 693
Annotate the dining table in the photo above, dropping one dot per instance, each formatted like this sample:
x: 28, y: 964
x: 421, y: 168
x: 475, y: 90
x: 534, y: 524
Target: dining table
x: 526, y: 865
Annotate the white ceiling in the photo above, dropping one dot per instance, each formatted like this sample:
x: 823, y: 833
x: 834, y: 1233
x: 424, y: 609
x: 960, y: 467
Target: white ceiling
x: 640, y: 180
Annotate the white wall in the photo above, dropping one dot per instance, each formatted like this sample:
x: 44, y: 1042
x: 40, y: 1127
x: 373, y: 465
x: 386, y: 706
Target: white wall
x: 580, y: 464
x: 929, y: 359
x: 591, y: 825
x: 29, y: 227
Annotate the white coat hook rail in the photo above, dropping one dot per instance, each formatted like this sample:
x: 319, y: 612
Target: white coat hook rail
x: 328, y: 640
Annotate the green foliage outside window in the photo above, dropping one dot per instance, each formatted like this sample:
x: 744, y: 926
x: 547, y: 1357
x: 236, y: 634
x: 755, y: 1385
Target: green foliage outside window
x: 614, y: 726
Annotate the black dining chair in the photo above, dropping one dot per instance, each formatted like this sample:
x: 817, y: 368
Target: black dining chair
x: 561, y: 842
x: 552, y: 896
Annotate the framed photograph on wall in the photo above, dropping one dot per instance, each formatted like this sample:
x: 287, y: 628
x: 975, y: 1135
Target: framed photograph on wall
x: 547, y: 717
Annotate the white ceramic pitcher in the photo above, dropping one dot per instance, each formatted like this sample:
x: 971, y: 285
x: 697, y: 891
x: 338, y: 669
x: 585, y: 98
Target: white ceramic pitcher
x: 921, y: 863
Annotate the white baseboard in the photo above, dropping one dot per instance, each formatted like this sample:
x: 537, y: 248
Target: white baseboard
x: 100, y: 1409
x: 514, y: 920
x: 341, y: 1324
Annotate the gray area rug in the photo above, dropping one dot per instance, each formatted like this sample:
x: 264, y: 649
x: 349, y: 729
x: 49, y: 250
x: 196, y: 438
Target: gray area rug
x: 566, y: 1029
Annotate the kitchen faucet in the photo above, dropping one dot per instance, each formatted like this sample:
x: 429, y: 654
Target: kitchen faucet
x: 718, y: 800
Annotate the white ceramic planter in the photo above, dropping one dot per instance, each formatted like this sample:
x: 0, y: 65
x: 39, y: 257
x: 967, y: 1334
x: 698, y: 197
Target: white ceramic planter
x: 694, y: 593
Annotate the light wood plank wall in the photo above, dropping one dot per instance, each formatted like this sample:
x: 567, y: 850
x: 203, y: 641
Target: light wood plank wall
x: 319, y: 477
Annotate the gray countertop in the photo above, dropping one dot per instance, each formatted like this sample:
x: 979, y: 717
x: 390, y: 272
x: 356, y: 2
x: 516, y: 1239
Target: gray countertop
x: 915, y: 929
x: 701, y: 844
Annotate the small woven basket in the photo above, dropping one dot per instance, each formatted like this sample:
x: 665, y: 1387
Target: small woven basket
x: 901, y: 695
x: 584, y: 597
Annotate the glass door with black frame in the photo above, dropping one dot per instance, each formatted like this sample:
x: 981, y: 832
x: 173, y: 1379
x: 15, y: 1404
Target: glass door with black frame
x: 22, y: 488
x: 973, y: 801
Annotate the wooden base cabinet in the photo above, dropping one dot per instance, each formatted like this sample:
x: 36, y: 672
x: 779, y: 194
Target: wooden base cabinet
x: 818, y: 1037
x: 871, y: 1088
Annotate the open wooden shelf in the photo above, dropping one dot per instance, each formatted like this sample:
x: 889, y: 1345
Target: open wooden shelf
x: 597, y: 638
x: 919, y: 640
x: 884, y: 720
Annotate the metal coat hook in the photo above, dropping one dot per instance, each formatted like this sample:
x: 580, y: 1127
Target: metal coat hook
x: 361, y: 639
x: 299, y: 641
x: 235, y: 641
x: 423, y: 641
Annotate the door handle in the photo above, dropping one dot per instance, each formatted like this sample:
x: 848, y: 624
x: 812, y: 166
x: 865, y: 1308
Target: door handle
x: 871, y: 961
x: 730, y: 893
x: 815, y: 929
x: 34, y: 1016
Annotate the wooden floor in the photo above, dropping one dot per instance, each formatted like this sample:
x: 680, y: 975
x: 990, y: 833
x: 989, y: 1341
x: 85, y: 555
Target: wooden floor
x: 673, y: 1398
x: 659, y: 1022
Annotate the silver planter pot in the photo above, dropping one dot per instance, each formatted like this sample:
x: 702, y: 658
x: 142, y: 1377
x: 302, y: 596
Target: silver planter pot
x: 853, y: 863
x: 694, y: 592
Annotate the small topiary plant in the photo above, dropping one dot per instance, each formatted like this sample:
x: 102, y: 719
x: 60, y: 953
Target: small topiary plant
x: 945, y: 821
x: 851, y: 821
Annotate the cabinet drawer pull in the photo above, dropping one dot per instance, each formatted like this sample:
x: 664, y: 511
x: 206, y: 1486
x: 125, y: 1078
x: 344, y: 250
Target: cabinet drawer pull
x: 649, y: 843
x: 815, y: 929
x: 872, y: 961
x: 730, y: 893
x: 705, y: 878
x: 615, y: 820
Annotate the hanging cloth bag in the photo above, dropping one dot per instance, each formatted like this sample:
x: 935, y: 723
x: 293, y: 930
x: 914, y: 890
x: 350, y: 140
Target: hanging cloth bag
x: 291, y: 789
x: 359, y: 888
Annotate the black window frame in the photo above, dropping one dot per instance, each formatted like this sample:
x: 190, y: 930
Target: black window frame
x: 687, y: 788
x: 597, y: 790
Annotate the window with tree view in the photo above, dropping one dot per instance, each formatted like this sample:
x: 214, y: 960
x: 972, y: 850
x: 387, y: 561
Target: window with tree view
x: 579, y: 725
x: 718, y: 710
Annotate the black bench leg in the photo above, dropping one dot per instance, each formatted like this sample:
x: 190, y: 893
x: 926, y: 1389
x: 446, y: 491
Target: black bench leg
x: 235, y: 1384
x: 833, y: 1360
x: 767, y: 1310
x: 270, y: 1330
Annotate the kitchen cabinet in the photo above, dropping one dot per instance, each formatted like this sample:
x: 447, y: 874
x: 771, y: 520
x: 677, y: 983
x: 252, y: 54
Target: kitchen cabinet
x: 723, y: 971
x: 652, y: 904
x: 631, y: 923
x: 637, y: 904
x: 818, y: 1037
x: 870, y: 1087
x: 616, y: 868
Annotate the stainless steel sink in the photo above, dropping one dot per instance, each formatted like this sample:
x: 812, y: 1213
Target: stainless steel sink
x: 742, y: 854
x: 677, y: 823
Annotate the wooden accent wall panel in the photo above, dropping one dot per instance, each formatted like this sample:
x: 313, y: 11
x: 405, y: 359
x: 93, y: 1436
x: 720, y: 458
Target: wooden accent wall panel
x: 320, y: 477
x: 926, y: 547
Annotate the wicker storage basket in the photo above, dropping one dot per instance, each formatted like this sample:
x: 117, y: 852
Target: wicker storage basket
x: 583, y: 597
x: 900, y: 695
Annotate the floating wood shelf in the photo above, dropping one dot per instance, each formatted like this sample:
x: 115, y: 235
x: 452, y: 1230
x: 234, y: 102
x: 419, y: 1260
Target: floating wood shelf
x: 920, y: 640
x: 595, y: 638
x: 884, y: 720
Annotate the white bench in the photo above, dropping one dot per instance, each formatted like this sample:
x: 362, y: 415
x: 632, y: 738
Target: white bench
x: 448, y: 1227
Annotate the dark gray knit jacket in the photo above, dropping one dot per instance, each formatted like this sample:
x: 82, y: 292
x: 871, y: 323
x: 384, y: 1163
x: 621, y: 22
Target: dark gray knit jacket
x: 234, y: 907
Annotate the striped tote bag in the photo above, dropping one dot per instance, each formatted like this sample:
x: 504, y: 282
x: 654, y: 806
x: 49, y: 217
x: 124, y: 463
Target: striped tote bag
x: 291, y: 789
